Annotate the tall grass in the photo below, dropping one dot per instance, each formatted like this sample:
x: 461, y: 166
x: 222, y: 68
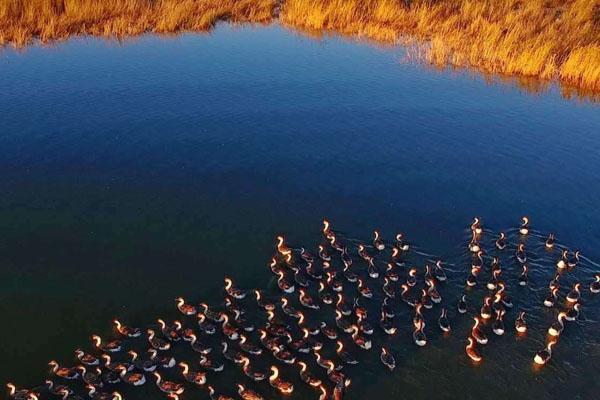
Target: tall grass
x: 23, y: 20
x: 551, y: 39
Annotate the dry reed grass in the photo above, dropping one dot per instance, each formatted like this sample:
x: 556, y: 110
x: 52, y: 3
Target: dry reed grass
x: 551, y: 39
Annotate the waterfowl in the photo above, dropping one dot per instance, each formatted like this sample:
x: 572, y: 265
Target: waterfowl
x: 170, y: 332
x: 486, y: 308
x: 520, y: 324
x: 472, y: 278
x: 411, y: 279
x: 301, y: 278
x: 288, y: 309
x: 388, y: 288
x: 501, y: 241
x: 471, y: 351
x: 91, y: 377
x: 462, y: 304
x: 324, y: 294
x: 132, y: 378
x: 86, y: 358
x: 233, y: 291
x: 363, y: 253
x: 387, y: 324
x: 112, y: 346
x: 390, y: 272
x: 248, y: 394
x: 195, y: 377
x: 342, y: 306
x: 554, y: 283
x: 228, y: 330
x: 387, y: 359
x: 443, y: 321
x: 66, y: 395
x: 95, y: 395
x: 360, y: 340
x: 498, y: 305
x: 364, y: 290
x: 282, y: 247
x: 284, y: 355
x: 346, y: 259
x: 55, y: 389
x: 552, y: 297
x: 156, y: 342
x: 204, y: 325
x: 434, y: 295
x: 168, y: 387
x: 523, y: 278
x: 329, y: 331
x: 400, y: 244
x: 256, y: 376
x: 163, y: 361
x: 426, y: 300
x: 314, y: 273
x: 543, y: 356
x: 595, y: 286
x: 521, y: 254
x: 336, y: 284
x: 283, y: 284
x: 572, y: 262
x: 372, y: 269
x: 336, y: 245
x: 563, y: 261
x: 63, y: 372
x: 307, y: 301
x: 127, y: 331
x: 248, y: 347
x: 498, y: 326
x: 524, y: 229
x: 212, y: 315
x: 504, y: 298
x: 439, y: 272
x: 308, y: 378
x: 419, y: 335
x: 477, y: 262
x: 145, y: 365
x: 301, y: 345
x: 342, y: 323
x: 477, y: 333
x: 574, y: 294
x: 550, y: 241
x: 274, y: 326
x: 377, y: 241
x: 350, y: 276
x: 197, y: 346
x: 230, y: 354
x: 476, y: 226
x: 418, y: 317
x: 404, y: 295
x: 346, y: 357
x: 573, y: 313
x: 215, y: 396
x: 557, y: 327
x: 211, y: 365
x: 323, y: 253
x: 335, y: 376
x: 20, y: 394
x: 312, y: 328
x: 185, y: 308
x: 474, y: 244
x: 284, y: 387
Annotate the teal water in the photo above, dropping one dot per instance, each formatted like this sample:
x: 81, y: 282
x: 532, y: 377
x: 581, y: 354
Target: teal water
x: 132, y: 173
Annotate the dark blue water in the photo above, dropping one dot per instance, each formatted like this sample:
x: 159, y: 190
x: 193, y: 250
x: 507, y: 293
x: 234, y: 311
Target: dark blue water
x: 135, y: 172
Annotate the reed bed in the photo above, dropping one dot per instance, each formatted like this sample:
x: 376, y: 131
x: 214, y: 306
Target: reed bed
x: 46, y: 20
x: 549, y: 39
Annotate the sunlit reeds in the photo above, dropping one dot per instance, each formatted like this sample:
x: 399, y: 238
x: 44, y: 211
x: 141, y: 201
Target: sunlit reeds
x: 550, y: 39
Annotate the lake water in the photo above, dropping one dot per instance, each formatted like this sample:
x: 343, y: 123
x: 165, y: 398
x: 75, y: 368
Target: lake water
x: 132, y: 173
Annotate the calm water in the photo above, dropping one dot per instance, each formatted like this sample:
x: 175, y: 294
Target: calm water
x: 132, y: 173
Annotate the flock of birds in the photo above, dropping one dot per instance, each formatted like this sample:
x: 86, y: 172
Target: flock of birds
x: 326, y: 310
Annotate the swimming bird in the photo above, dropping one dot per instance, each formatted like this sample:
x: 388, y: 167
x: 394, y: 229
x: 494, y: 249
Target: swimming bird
x: 168, y: 387
x: 346, y: 357
x: 145, y: 365
x: 156, y: 342
x: 498, y: 326
x: 595, y: 286
x: 524, y: 229
x: 521, y: 254
x: 557, y: 327
x: 419, y: 335
x: 573, y: 313
x: 95, y: 395
x: 20, y: 394
x: 63, y: 372
x: 520, y: 324
x: 215, y: 396
x: 113, y: 346
x: 284, y: 387
x: 307, y: 377
x: 86, y: 358
x: 443, y: 321
x: 472, y: 351
x: 360, y: 340
x: 551, y: 299
x: 477, y: 333
x: 523, y: 278
x: 574, y: 294
x: 132, y: 378
x: 185, y: 308
x: 377, y: 241
x: 550, y: 241
x: 462, y: 304
x: 256, y: 376
x: 543, y: 356
x: 127, y: 331
x: 501, y: 241
x: 387, y: 359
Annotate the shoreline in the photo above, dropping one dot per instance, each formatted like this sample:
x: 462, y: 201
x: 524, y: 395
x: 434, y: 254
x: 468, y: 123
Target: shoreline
x: 472, y: 34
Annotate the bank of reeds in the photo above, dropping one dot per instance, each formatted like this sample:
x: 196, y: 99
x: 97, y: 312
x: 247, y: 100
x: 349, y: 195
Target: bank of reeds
x: 550, y: 39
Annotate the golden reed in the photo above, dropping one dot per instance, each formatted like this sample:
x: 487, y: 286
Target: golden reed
x: 550, y: 39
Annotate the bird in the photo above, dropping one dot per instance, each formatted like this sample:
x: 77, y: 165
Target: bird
x: 168, y: 387
x: 472, y: 352
x: 543, y: 356
x: 443, y: 321
x: 387, y: 359
x: 595, y: 285
x: 520, y: 324
x: 195, y: 377
x: 557, y: 327
x: 284, y: 387
x: 524, y: 229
